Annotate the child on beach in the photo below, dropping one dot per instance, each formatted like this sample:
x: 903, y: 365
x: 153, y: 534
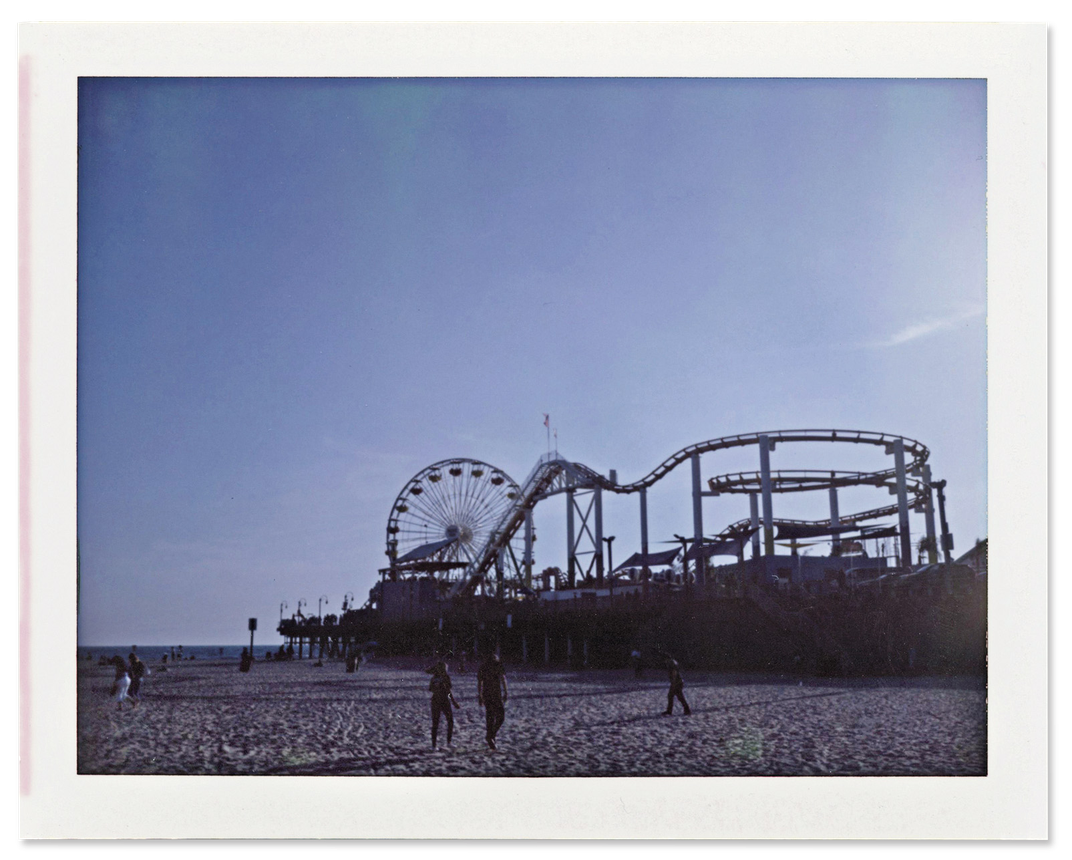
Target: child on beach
x: 442, y: 700
x: 122, y: 681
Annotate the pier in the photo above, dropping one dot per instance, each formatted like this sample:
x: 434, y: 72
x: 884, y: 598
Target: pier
x: 462, y: 576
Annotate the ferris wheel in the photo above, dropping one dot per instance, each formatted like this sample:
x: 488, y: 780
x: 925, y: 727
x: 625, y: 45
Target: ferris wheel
x: 449, y: 510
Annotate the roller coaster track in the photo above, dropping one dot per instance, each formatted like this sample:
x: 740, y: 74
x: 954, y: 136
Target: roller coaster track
x: 847, y: 520
x: 553, y: 474
x: 800, y: 480
x: 549, y: 469
x: 916, y: 450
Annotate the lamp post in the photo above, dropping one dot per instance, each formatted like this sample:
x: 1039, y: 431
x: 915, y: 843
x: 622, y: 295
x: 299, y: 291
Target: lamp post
x: 301, y: 634
x: 610, y: 561
x: 282, y: 606
x: 347, y: 600
x: 321, y: 636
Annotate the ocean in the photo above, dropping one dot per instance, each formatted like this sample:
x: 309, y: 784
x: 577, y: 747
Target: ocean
x: 152, y: 654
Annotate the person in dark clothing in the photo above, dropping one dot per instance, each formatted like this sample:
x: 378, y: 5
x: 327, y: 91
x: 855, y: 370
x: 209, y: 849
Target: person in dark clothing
x: 491, y: 693
x: 245, y: 661
x: 677, y: 686
x: 137, y: 671
x: 442, y: 700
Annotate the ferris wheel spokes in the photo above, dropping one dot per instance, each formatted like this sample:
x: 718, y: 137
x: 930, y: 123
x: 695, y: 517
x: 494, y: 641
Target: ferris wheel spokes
x: 458, y: 500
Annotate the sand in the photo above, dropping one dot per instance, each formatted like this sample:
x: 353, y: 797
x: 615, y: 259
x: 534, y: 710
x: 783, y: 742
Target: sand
x: 205, y: 717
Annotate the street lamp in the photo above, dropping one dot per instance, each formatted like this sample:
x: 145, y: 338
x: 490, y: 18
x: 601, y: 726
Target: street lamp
x: 322, y: 601
x: 302, y: 602
x: 347, y: 600
x: 282, y: 606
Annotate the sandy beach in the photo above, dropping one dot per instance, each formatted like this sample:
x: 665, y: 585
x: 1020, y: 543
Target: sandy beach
x: 205, y: 717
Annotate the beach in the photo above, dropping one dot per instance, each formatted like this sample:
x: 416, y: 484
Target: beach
x: 294, y: 718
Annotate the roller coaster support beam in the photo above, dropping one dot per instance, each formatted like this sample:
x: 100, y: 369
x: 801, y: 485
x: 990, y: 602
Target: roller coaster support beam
x: 598, y: 542
x: 571, y: 562
x: 928, y: 515
x: 528, y: 548
x: 588, y: 532
x: 902, y: 503
x: 835, y: 520
x: 644, y: 520
x: 644, y: 526
x: 765, y: 447
x: 697, y: 519
x: 753, y: 507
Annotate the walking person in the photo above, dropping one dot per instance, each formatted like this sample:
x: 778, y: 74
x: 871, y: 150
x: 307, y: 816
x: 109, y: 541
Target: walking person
x: 121, y: 685
x: 138, y: 670
x: 677, y: 686
x: 442, y: 700
x: 491, y: 693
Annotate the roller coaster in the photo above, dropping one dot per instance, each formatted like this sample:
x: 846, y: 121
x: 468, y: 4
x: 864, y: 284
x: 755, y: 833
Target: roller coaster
x: 461, y: 519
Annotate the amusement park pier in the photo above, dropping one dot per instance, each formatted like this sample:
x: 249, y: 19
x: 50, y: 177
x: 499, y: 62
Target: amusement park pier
x: 461, y: 576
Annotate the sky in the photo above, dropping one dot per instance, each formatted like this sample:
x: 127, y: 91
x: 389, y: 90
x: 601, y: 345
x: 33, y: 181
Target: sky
x: 295, y: 294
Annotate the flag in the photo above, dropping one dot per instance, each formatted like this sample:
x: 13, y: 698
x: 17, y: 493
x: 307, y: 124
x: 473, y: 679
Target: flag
x: 546, y: 420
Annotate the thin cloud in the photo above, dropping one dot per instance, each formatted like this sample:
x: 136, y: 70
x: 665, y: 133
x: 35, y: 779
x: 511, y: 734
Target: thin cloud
x: 927, y: 327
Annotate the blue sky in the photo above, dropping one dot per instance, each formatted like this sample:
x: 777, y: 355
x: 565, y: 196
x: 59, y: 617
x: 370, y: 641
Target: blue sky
x: 295, y: 294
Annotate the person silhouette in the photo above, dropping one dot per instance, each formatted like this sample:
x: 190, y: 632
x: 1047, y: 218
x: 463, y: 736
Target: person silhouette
x: 137, y: 671
x: 491, y: 693
x: 442, y: 700
x: 121, y: 685
x: 677, y: 686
